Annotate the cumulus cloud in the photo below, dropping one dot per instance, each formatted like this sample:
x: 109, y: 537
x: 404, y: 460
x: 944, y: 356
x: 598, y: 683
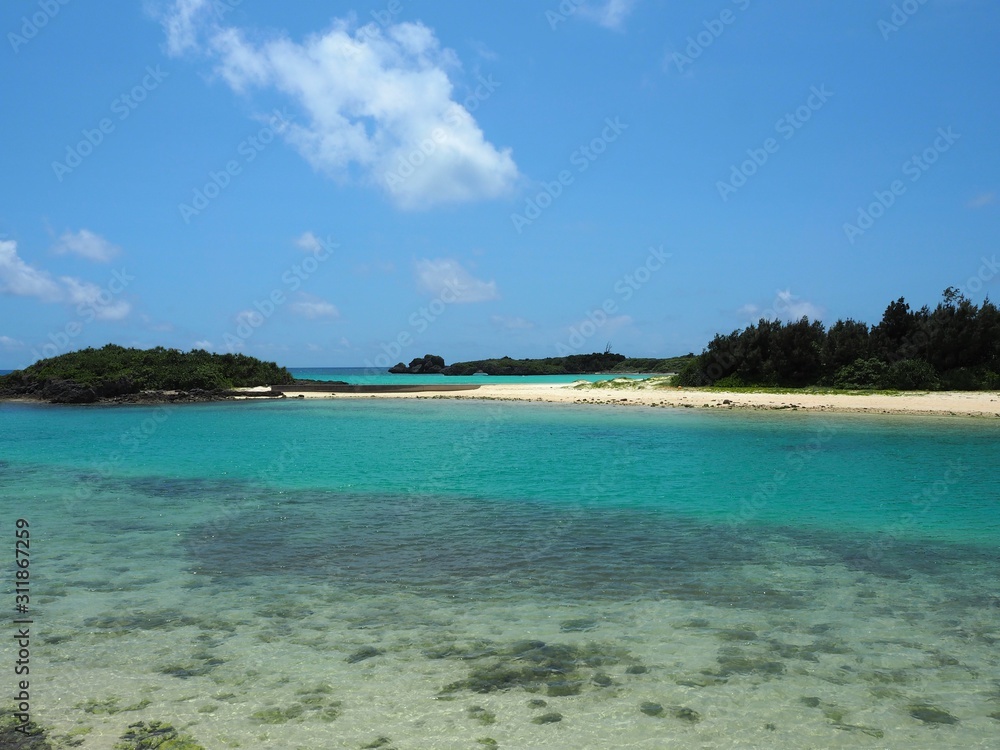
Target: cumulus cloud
x: 203, y: 344
x: 87, y: 245
x: 610, y: 14
x: 445, y: 278
x: 375, y: 103
x: 95, y: 298
x: 22, y: 280
x: 785, y: 306
x: 312, y: 307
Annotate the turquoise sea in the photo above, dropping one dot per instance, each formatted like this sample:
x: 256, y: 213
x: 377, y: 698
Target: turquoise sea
x: 473, y: 574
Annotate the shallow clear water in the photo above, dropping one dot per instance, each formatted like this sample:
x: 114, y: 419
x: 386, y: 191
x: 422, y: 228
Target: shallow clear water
x: 321, y: 574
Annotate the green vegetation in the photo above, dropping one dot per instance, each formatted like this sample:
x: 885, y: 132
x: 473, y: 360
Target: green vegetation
x: 647, y: 366
x: 956, y: 346
x: 573, y: 364
x: 114, y: 371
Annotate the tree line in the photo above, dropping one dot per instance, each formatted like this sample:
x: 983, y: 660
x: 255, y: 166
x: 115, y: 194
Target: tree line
x: 955, y: 346
x: 117, y: 370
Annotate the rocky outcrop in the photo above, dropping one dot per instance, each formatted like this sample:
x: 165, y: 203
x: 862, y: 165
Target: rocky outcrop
x: 428, y: 364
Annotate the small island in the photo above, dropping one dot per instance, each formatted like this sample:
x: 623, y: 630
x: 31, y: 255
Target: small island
x: 115, y: 374
x: 597, y: 363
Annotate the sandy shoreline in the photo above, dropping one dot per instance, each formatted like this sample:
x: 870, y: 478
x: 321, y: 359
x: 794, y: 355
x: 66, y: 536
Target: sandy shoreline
x: 953, y: 403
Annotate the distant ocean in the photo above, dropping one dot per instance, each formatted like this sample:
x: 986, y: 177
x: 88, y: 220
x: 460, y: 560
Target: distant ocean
x: 454, y: 574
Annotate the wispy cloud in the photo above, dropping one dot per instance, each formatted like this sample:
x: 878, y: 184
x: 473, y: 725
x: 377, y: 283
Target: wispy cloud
x: 785, y: 306
x: 20, y: 279
x: 512, y: 323
x: 95, y: 298
x: 376, y: 104
x: 8, y: 343
x: 610, y: 14
x: 982, y: 200
x: 310, y: 243
x: 87, y: 245
x: 312, y: 307
x: 443, y: 277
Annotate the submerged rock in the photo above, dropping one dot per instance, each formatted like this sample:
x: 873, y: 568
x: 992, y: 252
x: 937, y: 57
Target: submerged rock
x: 481, y: 715
x: 558, y: 669
x: 651, y: 709
x: 364, y: 653
x: 155, y: 735
x: 577, y: 625
x: 931, y: 714
x: 549, y: 718
x: 17, y: 736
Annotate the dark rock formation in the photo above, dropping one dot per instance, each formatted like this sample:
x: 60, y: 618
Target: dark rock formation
x: 428, y: 364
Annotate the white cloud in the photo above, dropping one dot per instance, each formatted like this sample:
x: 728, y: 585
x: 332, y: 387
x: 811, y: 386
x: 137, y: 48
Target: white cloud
x: 22, y: 280
x: 312, y: 307
x: 95, y: 298
x: 610, y: 14
x: 511, y: 322
x: 982, y: 200
x: 793, y: 308
x: 203, y: 344
x: 8, y: 343
x: 785, y: 306
x: 87, y: 245
x: 309, y: 242
x: 376, y: 103
x: 181, y: 25
x: 445, y: 278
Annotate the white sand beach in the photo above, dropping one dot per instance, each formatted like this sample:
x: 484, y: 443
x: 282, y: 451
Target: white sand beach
x: 953, y: 403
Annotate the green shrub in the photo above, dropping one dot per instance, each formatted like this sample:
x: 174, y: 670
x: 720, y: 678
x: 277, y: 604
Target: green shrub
x: 862, y: 373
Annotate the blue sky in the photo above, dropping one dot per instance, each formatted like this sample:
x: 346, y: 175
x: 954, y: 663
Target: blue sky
x: 475, y: 180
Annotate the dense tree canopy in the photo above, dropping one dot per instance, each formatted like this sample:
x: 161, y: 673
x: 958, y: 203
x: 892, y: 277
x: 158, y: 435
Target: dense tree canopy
x: 114, y: 370
x: 955, y: 346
